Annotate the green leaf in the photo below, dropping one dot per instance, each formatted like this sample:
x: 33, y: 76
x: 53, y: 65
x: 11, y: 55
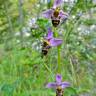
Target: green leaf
x: 70, y: 91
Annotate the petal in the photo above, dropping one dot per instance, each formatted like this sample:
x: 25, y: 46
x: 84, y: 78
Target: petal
x: 57, y: 3
x: 58, y: 79
x: 63, y: 15
x: 48, y: 13
x: 50, y: 33
x: 65, y: 84
x: 51, y: 85
x: 55, y: 42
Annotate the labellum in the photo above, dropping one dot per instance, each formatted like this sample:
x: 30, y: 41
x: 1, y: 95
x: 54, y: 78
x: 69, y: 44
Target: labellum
x: 59, y: 91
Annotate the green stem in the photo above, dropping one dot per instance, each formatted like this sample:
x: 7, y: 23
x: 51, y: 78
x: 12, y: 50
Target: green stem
x: 58, y: 52
x: 58, y: 49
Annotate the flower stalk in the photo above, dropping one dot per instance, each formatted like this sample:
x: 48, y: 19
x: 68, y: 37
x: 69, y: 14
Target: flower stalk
x: 58, y: 53
x: 59, y: 59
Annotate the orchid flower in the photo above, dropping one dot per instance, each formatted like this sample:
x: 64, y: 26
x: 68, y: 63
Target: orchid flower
x: 58, y: 85
x: 51, y: 40
x: 55, y: 13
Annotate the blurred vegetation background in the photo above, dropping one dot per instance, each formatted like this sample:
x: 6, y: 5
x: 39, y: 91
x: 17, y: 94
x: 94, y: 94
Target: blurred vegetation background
x: 22, y: 70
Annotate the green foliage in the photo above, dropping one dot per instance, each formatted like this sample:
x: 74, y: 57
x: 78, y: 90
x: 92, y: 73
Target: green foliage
x: 70, y: 92
x: 42, y: 26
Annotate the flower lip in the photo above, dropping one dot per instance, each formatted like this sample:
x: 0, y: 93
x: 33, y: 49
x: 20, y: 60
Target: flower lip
x: 47, y: 42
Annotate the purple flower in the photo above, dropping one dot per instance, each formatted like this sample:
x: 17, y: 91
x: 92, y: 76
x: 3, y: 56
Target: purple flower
x: 51, y: 40
x: 55, y: 14
x: 58, y: 83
